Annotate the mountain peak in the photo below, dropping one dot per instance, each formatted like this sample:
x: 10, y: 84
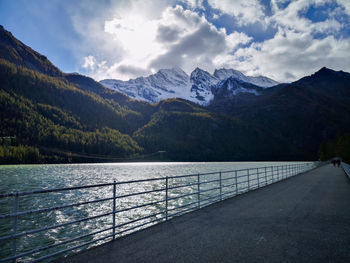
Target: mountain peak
x: 173, y: 71
x: 260, y: 81
x: 198, y: 72
x: 224, y: 73
x: 13, y: 50
x: 325, y: 70
x: 198, y: 69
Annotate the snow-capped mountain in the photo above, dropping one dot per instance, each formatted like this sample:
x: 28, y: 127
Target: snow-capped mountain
x: 166, y: 83
x: 200, y: 87
x: 202, y: 83
x: 232, y: 86
x: 260, y: 81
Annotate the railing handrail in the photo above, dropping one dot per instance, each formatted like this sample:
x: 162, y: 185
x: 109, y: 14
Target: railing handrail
x: 52, y: 190
x: 346, y: 168
x: 255, y: 178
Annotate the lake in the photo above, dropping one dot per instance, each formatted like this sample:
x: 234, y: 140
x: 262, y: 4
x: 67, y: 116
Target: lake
x: 30, y: 177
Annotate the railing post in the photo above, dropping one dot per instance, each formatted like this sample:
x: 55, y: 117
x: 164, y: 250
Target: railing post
x: 293, y: 169
x: 236, y: 182
x: 248, y: 179
x: 114, y: 205
x: 285, y: 171
x: 257, y: 174
x: 166, y: 197
x: 220, y: 186
x: 198, y: 191
x: 272, y: 174
x: 15, y: 211
x: 290, y: 170
x: 265, y: 176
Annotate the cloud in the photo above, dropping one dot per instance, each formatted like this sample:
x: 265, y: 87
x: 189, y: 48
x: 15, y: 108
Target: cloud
x: 299, y: 46
x: 245, y: 11
x: 290, y: 55
x: 176, y: 37
x: 135, y: 39
x: 198, y: 43
x: 193, y: 3
x: 167, y: 33
x: 346, y: 5
x: 132, y: 70
x: 89, y: 62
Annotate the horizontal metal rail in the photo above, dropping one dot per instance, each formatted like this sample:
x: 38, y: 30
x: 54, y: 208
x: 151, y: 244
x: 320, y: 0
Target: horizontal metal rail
x: 346, y: 168
x: 182, y: 196
x: 182, y: 206
x: 210, y: 181
x: 182, y: 186
x: 183, y: 211
x: 140, y: 193
x: 138, y: 206
x: 44, y: 191
x: 138, y: 219
x: 241, y: 181
x: 141, y: 180
x: 72, y: 248
x: 55, y: 245
x: 48, y: 209
x: 53, y: 227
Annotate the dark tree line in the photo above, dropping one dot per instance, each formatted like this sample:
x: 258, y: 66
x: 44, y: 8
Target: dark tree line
x: 340, y: 147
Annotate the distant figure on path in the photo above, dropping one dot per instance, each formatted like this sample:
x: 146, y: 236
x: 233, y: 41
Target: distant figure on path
x: 334, y: 162
x: 338, y: 162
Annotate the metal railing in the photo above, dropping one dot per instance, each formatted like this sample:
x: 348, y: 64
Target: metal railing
x: 119, y: 208
x: 346, y: 168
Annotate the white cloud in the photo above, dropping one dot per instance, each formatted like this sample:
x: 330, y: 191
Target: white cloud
x: 294, y: 51
x: 346, y: 5
x: 197, y: 44
x: 291, y: 55
x: 89, y: 62
x: 177, y: 37
x: 133, y: 40
x: 194, y: 3
x: 245, y: 11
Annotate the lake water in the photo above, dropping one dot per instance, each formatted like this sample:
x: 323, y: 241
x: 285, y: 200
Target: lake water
x: 32, y: 177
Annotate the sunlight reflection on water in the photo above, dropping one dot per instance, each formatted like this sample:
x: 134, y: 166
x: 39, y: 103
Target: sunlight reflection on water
x: 30, y: 177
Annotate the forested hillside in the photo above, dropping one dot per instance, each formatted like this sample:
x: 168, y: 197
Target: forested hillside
x: 50, y: 116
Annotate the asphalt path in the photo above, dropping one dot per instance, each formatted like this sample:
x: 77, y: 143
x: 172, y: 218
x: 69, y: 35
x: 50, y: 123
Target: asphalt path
x: 302, y: 219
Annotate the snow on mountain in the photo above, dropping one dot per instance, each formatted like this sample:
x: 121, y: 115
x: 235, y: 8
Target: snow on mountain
x: 166, y: 83
x: 223, y: 73
x: 200, y: 87
x: 232, y: 86
x: 202, y: 83
x: 260, y: 81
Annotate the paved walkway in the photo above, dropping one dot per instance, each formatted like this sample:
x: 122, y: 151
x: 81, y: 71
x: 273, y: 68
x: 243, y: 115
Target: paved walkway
x: 302, y: 219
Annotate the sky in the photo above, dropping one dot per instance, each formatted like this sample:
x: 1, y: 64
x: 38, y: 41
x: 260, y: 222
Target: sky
x: 122, y: 39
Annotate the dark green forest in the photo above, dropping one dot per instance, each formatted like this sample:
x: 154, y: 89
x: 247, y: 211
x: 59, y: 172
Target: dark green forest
x: 48, y: 116
x: 339, y: 147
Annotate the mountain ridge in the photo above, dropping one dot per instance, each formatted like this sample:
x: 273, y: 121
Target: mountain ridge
x: 72, y: 113
x: 199, y: 87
